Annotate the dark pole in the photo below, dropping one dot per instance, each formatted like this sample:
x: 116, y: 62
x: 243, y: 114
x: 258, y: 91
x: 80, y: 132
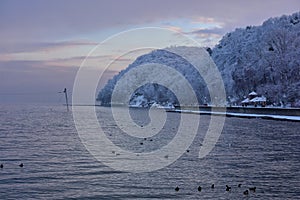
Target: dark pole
x: 66, y: 95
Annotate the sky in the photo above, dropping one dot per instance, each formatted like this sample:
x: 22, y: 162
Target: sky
x: 43, y: 42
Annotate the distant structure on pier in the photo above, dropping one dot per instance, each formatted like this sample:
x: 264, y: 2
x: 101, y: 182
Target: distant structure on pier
x: 255, y: 100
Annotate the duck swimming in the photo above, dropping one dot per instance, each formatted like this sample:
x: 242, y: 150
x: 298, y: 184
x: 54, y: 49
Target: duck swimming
x: 199, y: 188
x: 228, y: 188
x: 252, y: 189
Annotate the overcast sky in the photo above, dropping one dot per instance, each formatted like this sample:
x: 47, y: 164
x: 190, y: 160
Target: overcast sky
x: 44, y: 42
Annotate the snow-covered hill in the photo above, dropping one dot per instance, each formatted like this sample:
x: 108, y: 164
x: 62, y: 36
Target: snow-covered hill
x: 262, y: 58
x: 151, y: 93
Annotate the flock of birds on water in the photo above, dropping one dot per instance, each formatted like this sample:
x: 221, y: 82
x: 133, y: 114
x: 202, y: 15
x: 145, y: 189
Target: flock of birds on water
x: 228, y: 188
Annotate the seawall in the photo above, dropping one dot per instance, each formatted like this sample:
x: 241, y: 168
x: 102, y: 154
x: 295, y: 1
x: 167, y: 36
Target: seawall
x: 247, y: 110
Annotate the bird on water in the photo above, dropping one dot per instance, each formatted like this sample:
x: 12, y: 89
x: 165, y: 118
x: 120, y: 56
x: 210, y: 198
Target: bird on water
x: 177, y: 189
x: 199, y: 188
x: 228, y: 188
x: 21, y: 165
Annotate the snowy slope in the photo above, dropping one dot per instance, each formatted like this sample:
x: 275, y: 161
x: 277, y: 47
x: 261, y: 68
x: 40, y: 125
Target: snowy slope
x: 265, y: 59
x: 156, y: 93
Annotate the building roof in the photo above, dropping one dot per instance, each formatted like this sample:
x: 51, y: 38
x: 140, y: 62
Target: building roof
x: 246, y: 100
x: 253, y: 93
x: 259, y: 99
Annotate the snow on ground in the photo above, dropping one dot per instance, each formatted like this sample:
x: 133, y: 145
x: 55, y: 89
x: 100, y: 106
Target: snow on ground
x: 275, y: 117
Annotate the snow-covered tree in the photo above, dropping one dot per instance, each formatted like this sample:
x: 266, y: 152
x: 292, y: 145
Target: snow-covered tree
x: 263, y: 58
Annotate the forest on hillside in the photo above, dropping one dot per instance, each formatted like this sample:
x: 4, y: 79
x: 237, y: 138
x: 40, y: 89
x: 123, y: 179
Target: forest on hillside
x: 265, y: 59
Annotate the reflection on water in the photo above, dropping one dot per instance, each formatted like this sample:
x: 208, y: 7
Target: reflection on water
x: 251, y: 152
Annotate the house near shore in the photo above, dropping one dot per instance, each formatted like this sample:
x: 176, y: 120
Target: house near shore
x: 255, y: 100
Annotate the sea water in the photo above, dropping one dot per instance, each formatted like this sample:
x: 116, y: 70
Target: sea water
x: 253, y: 152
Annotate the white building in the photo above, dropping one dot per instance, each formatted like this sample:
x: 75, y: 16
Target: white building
x: 255, y: 100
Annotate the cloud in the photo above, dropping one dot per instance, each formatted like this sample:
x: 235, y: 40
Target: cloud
x: 42, y: 51
x: 44, y: 46
x: 174, y: 28
x: 76, y: 61
x: 214, y: 31
x: 34, y: 19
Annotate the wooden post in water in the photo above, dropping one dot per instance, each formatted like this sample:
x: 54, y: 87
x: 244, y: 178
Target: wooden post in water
x: 66, y: 95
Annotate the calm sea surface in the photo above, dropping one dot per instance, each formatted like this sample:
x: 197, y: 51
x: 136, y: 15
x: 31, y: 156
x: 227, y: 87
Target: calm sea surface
x: 251, y: 152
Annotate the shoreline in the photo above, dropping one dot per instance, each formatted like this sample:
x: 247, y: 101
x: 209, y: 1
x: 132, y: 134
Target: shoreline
x: 241, y: 115
x: 245, y: 110
x: 282, y: 114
